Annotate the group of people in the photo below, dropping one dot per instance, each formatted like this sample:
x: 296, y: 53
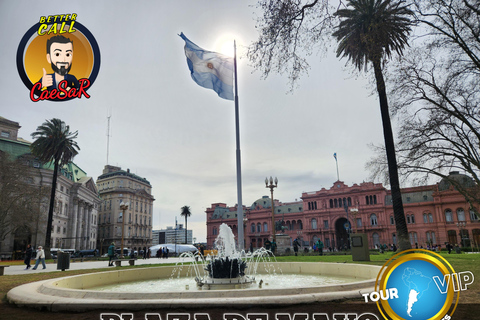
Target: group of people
x: 40, y: 257
x: 162, y: 252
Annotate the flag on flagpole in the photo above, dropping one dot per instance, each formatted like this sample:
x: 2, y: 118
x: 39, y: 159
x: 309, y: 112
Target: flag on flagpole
x: 209, y: 69
x: 335, y: 155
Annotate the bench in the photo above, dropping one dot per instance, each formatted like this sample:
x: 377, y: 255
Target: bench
x: 2, y: 269
x: 118, y: 262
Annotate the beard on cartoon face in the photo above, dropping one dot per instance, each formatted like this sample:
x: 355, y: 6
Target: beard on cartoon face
x: 62, y: 68
x: 60, y: 57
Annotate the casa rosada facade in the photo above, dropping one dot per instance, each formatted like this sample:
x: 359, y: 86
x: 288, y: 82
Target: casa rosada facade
x: 435, y: 214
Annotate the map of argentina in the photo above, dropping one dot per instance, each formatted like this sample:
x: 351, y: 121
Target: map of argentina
x: 417, y: 284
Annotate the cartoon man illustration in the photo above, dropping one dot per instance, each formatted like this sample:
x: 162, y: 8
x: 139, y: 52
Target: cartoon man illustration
x: 60, y: 56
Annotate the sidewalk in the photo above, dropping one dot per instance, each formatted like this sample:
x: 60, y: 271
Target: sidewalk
x: 20, y: 269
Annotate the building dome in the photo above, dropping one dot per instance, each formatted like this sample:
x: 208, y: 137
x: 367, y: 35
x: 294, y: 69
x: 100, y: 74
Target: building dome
x: 462, y: 179
x: 262, y: 203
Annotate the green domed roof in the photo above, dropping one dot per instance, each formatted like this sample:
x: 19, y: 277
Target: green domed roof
x: 457, y: 177
x: 263, y: 202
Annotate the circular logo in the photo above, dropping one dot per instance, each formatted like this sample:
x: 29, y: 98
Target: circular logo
x: 417, y: 285
x: 35, y: 62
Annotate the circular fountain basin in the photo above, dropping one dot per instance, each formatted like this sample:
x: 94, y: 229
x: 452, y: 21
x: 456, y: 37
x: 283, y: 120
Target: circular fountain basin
x: 75, y: 293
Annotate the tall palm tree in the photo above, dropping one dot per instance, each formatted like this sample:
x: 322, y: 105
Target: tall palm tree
x: 186, y: 213
x: 54, y: 143
x: 370, y: 31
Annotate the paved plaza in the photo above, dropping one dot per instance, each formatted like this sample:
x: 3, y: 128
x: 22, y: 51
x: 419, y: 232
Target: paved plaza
x: 20, y: 269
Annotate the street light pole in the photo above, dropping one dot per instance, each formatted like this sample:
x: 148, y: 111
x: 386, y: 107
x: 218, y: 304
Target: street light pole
x: 460, y: 226
x: 123, y: 207
x: 271, y: 186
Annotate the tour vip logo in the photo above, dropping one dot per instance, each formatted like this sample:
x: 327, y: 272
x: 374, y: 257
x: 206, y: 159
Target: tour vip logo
x: 419, y: 285
x: 58, y: 59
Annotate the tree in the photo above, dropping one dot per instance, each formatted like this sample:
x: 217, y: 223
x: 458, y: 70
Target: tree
x: 54, y: 143
x: 436, y: 95
x: 185, y: 213
x: 21, y: 200
x: 290, y: 30
x: 368, y: 33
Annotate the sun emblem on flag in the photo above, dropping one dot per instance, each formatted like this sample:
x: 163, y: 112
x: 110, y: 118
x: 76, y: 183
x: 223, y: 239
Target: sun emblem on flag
x: 210, y: 65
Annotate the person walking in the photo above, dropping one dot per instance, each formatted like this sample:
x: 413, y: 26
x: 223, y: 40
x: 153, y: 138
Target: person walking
x: 40, y: 258
x: 111, y: 254
x: 28, y: 256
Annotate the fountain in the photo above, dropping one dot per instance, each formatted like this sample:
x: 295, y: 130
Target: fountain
x: 228, y: 278
x: 227, y: 269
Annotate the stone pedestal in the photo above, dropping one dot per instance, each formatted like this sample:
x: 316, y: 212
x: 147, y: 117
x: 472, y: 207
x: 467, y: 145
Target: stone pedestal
x: 360, y: 249
x: 283, y: 243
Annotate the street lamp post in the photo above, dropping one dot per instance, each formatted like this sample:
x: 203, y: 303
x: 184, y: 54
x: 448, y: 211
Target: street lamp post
x: 123, y: 207
x: 354, y: 212
x: 271, y: 186
x: 460, y: 226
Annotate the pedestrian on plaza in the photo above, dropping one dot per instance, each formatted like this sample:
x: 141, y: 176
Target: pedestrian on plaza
x: 149, y: 253
x: 159, y: 253
x: 319, y: 246
x: 166, y: 252
x: 295, y: 246
x: 40, y: 258
x: 145, y: 253
x: 111, y: 254
x: 28, y: 256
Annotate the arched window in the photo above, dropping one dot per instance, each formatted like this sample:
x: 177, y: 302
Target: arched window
x: 448, y: 215
x: 392, y: 220
x: 215, y: 231
x: 460, y: 214
x: 252, y: 229
x: 431, y: 237
x: 335, y: 203
x: 314, y: 223
x: 473, y: 216
x: 430, y: 218
x: 374, y: 199
x: 259, y: 227
x: 376, y: 239
x: 425, y: 218
x: 300, y: 224
x: 265, y: 227
x: 366, y: 200
x: 373, y: 220
x: 413, y: 238
x: 331, y: 203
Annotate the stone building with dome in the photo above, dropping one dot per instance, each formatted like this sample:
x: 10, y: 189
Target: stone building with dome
x: 435, y: 214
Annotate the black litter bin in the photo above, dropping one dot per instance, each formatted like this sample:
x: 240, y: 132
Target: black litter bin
x: 63, y: 260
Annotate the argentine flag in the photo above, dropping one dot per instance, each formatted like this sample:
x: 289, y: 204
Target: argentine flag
x: 209, y: 69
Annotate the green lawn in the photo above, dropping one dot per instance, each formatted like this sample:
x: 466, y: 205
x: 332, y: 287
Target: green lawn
x: 460, y: 262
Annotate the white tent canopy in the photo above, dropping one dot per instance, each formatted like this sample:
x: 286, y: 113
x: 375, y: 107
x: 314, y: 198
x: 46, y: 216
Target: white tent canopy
x: 180, y: 248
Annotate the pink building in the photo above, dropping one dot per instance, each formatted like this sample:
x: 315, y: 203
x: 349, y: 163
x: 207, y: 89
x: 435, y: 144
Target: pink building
x: 435, y: 214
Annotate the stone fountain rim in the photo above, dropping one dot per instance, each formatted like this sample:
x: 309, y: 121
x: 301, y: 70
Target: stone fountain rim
x: 48, y: 294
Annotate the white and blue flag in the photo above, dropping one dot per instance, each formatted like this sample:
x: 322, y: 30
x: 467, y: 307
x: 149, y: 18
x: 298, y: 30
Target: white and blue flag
x: 209, y: 69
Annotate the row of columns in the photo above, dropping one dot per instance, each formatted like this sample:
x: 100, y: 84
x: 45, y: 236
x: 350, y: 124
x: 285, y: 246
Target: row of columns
x: 81, y: 224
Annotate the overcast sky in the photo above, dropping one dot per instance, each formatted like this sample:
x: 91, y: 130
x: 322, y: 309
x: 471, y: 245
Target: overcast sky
x: 180, y: 136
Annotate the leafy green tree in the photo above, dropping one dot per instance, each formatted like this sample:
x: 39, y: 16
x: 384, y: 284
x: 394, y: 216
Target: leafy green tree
x: 185, y: 213
x: 54, y: 143
x: 369, y: 32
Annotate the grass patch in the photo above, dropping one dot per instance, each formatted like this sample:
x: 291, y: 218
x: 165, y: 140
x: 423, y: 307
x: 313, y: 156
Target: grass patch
x: 460, y: 262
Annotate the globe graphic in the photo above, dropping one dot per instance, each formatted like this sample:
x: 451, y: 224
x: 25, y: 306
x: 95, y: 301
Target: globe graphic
x: 419, y: 298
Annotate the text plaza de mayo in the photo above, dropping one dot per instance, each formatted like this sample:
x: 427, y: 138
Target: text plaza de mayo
x: 87, y: 214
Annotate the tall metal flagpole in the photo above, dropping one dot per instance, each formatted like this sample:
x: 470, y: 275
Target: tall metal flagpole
x: 239, y: 167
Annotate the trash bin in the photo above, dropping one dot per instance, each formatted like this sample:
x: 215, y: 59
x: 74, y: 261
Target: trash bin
x: 63, y: 260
